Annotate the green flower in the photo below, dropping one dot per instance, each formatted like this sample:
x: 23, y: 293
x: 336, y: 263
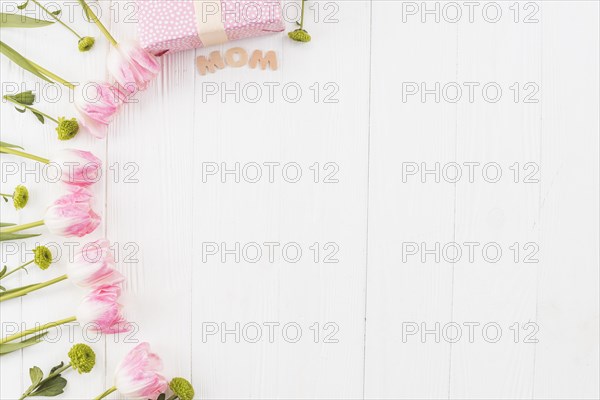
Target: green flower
x: 86, y: 43
x: 42, y: 257
x: 299, y: 35
x: 67, y: 128
x: 182, y: 388
x: 20, y: 197
x: 82, y: 358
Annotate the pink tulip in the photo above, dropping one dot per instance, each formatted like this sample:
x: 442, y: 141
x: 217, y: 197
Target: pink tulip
x: 137, y: 376
x: 101, y: 310
x: 72, y: 215
x: 94, y: 265
x: 97, y: 103
x: 131, y: 66
x: 78, y: 167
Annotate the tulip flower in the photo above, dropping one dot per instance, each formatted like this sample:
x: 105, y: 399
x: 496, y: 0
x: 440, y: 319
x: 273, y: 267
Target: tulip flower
x: 131, y: 66
x: 20, y: 197
x: 96, y: 110
x: 78, y: 168
x: 81, y: 358
x: 93, y: 266
x: 138, y: 376
x: 69, y: 216
x: 100, y: 311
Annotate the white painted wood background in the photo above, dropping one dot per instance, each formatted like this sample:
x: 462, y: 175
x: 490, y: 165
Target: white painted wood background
x: 364, y: 55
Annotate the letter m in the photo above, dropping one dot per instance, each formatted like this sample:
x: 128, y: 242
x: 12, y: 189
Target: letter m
x: 213, y: 62
x: 269, y: 59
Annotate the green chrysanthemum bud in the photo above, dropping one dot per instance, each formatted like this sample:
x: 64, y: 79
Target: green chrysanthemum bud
x: 299, y: 35
x: 67, y: 128
x: 182, y: 388
x: 42, y: 256
x: 86, y: 43
x: 20, y: 197
x: 82, y: 358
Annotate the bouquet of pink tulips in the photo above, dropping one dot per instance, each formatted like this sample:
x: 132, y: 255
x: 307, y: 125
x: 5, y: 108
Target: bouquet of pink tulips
x: 131, y: 70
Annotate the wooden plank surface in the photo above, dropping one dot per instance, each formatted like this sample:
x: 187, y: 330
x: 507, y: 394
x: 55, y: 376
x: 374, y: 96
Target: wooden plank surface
x: 202, y: 198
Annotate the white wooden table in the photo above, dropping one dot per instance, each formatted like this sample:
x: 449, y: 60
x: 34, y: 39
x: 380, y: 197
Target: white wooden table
x: 399, y: 254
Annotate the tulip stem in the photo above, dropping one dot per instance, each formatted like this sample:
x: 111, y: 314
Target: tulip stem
x: 37, y: 329
x: 17, y: 228
x: 10, y: 150
x: 53, y: 76
x: 16, y: 269
x: 57, y: 19
x: 19, y: 292
x: 91, y: 15
x: 106, y: 393
x: 48, y: 378
x: 33, y: 110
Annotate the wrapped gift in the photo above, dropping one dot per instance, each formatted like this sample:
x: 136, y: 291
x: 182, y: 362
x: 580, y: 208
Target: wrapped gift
x: 166, y: 26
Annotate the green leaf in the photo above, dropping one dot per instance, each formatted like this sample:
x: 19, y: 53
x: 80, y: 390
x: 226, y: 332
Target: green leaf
x: 12, y: 146
x: 50, y: 388
x: 22, y: 6
x: 2, y: 288
x: 5, y: 199
x: 57, y: 12
x: 21, y: 61
x: 3, y: 271
x: 162, y: 396
x: 3, y: 224
x: 39, y: 116
x: 20, y: 110
x: 6, y: 348
x: 36, y: 375
x: 57, y: 367
x: 27, y: 97
x: 16, y: 236
x: 21, y: 21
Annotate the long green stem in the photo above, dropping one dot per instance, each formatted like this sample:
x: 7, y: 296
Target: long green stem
x: 57, y: 19
x: 16, y: 269
x: 52, y: 75
x: 302, y: 15
x: 6, y: 195
x: 34, y: 110
x: 49, y: 377
x: 27, y: 332
x: 10, y: 150
x: 30, y: 288
x: 17, y: 228
x: 91, y: 15
x: 106, y: 393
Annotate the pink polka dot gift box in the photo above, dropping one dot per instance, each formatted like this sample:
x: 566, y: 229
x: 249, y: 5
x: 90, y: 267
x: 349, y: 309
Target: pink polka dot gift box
x: 166, y: 26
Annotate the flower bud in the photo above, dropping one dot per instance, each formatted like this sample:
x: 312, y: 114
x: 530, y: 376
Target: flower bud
x: 20, y: 197
x: 67, y: 128
x: 86, y: 43
x: 182, y: 388
x: 82, y: 358
x: 42, y: 257
x: 299, y: 35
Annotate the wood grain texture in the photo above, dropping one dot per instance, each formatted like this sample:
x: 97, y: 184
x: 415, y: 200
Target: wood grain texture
x: 181, y: 191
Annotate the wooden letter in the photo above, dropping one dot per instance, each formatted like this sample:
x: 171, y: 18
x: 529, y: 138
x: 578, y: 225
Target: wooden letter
x: 270, y: 59
x: 214, y: 61
x: 230, y: 57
